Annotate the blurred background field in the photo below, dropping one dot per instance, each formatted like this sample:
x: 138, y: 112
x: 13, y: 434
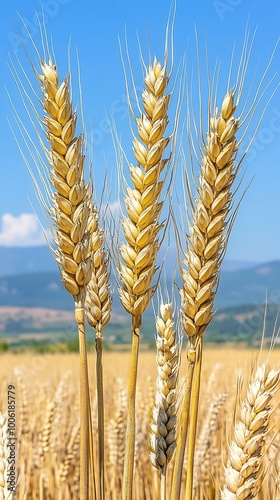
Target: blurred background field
x: 47, y: 421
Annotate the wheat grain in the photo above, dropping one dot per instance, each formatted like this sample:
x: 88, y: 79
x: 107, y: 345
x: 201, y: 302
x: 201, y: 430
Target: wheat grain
x: 162, y: 436
x: 98, y: 312
x: 71, y: 209
x: 243, y: 473
x: 58, y: 415
x: 71, y: 453
x: 116, y: 431
x: 142, y: 203
x: 141, y: 229
x: 46, y: 431
x: 163, y: 425
x: 207, y: 233
x: 98, y: 299
x: 71, y: 200
x: 206, y: 456
x: 205, y: 250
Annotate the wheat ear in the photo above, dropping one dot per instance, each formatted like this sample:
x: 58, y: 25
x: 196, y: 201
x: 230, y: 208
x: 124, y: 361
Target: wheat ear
x: 98, y: 312
x: 141, y: 228
x: 116, y: 438
x: 207, y: 454
x: 202, y: 260
x: 5, y: 491
x: 71, y: 203
x: 243, y: 473
x: 70, y: 454
x: 163, y: 425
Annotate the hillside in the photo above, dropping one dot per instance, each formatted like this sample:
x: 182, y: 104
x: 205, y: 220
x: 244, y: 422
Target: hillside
x: 236, y: 288
x: 24, y: 260
x: 36, y: 306
x: 21, y: 325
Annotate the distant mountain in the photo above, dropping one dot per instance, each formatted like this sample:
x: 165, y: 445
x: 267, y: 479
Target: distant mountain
x: 247, y: 286
x: 15, y: 260
x: 21, y: 325
x: 255, y: 285
x: 35, y: 290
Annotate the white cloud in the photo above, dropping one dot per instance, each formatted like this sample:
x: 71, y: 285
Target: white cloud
x: 21, y: 231
x: 114, y: 208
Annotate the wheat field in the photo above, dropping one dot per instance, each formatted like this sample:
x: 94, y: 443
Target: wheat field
x: 163, y: 424
x: 47, y: 422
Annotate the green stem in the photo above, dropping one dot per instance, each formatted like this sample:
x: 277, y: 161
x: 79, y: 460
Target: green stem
x: 84, y: 407
x: 193, y: 420
x: 100, y: 414
x: 130, y: 429
x: 183, y: 430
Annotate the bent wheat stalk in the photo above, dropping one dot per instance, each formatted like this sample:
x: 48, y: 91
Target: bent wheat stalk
x: 244, y: 472
x: 141, y: 228
x: 163, y: 425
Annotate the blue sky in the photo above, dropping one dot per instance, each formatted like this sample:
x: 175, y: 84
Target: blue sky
x: 95, y: 28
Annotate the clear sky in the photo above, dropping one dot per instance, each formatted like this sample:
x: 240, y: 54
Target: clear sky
x: 94, y: 29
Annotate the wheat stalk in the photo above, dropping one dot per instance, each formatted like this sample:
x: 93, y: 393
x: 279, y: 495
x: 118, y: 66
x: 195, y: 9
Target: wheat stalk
x: 71, y: 452
x: 98, y: 299
x: 98, y: 312
x: 277, y: 473
x: 163, y: 425
x: 141, y: 228
x: 46, y: 431
x: 207, y: 232
x: 203, y: 259
x: 243, y: 473
x: 206, y: 455
x: 116, y: 438
x: 71, y: 203
x: 211, y: 221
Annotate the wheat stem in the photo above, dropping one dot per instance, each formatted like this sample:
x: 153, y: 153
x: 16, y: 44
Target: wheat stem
x: 141, y: 229
x: 91, y: 453
x: 131, y: 395
x: 100, y: 415
x: 183, y: 430
x: 206, y: 245
x: 98, y: 313
x: 193, y: 419
x: 163, y: 483
x: 84, y: 408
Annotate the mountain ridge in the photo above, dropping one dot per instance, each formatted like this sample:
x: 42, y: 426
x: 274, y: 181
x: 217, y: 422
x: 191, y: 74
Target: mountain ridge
x: 21, y: 260
x: 252, y: 285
